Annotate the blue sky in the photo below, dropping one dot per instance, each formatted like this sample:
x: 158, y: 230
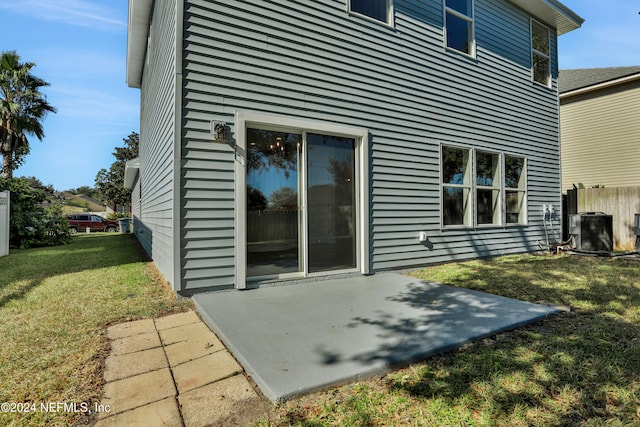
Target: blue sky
x: 79, y: 47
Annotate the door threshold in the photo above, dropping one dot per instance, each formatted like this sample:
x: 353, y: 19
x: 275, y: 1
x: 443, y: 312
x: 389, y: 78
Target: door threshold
x: 293, y: 281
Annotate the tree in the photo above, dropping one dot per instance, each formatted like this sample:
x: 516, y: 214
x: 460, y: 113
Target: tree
x: 110, y: 183
x: 36, y: 216
x: 271, y: 149
x: 36, y: 184
x: 255, y: 199
x: 22, y: 109
x: 283, y: 198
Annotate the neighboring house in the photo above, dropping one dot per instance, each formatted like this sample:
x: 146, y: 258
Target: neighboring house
x: 600, y: 127
x: 84, y: 203
x: 292, y: 140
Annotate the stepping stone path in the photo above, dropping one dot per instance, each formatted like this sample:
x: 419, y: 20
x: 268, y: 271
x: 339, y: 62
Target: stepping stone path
x: 173, y: 371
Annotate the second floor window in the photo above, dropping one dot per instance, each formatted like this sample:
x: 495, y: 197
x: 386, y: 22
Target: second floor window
x: 380, y: 10
x: 459, y: 31
x: 540, y: 53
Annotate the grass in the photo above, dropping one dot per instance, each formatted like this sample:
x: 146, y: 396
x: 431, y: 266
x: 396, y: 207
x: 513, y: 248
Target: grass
x: 55, y: 305
x: 578, y: 368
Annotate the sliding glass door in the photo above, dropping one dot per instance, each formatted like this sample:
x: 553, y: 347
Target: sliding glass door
x: 273, y: 203
x: 331, y: 201
x: 301, y: 204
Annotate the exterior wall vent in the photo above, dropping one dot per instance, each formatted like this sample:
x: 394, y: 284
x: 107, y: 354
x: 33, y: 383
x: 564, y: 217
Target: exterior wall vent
x: 592, y: 231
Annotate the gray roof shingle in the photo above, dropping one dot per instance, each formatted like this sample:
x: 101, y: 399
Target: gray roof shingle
x: 570, y: 80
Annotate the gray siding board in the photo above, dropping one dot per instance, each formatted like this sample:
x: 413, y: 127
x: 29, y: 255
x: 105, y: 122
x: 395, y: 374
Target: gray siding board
x: 294, y: 51
x: 207, y: 194
x: 209, y: 253
x: 386, y: 109
x: 195, y: 246
x: 205, y: 273
x: 135, y: 205
x: 155, y: 222
x: 311, y: 60
x: 207, y: 224
x: 206, y: 204
x: 210, y: 236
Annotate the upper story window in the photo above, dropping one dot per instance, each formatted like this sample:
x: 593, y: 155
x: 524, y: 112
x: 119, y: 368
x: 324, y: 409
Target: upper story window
x: 459, y: 31
x: 540, y: 53
x: 380, y: 10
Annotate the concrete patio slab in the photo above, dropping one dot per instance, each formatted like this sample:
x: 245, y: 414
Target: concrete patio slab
x: 122, y: 366
x: 297, y: 339
x: 175, y: 320
x: 136, y: 391
x: 134, y: 343
x: 128, y: 329
x: 162, y: 413
x: 205, y: 370
x: 225, y: 403
x: 189, y: 342
x: 191, y: 366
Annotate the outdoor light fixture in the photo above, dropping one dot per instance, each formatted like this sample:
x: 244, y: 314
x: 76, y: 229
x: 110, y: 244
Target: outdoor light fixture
x: 218, y: 130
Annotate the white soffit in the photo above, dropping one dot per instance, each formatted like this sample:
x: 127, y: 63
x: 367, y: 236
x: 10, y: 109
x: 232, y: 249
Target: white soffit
x: 131, y: 169
x: 137, y: 34
x: 553, y: 13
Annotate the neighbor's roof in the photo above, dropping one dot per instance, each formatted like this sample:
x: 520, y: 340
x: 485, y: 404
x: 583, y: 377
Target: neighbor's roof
x: 551, y: 12
x: 572, y: 82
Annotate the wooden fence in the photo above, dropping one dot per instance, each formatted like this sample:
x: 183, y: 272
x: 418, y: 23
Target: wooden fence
x: 620, y: 202
x: 272, y: 225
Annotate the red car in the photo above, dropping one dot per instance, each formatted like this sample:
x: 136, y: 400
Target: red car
x: 80, y: 222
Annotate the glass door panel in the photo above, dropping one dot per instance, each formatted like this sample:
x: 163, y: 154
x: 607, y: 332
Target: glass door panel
x: 331, y: 202
x: 273, y: 203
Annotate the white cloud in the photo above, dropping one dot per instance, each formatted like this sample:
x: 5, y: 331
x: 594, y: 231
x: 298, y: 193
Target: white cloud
x: 84, y: 13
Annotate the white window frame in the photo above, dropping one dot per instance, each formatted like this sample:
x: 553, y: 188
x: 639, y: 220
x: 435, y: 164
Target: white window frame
x: 472, y: 29
x: 497, y: 186
x: 243, y: 120
x: 473, y: 188
x: 534, y: 52
x: 388, y: 22
x: 470, y: 212
x: 523, y: 216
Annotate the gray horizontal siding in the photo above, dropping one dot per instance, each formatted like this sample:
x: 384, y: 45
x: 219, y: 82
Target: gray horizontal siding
x: 136, y: 205
x: 312, y: 60
x: 154, y: 223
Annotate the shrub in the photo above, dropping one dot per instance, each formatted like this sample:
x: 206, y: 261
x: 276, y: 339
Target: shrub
x: 34, y: 221
x: 114, y: 216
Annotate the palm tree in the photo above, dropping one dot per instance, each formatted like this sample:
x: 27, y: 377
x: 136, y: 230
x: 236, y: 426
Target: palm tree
x: 22, y: 109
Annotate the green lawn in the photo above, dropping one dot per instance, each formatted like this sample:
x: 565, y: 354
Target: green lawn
x: 579, y: 368
x: 55, y: 304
